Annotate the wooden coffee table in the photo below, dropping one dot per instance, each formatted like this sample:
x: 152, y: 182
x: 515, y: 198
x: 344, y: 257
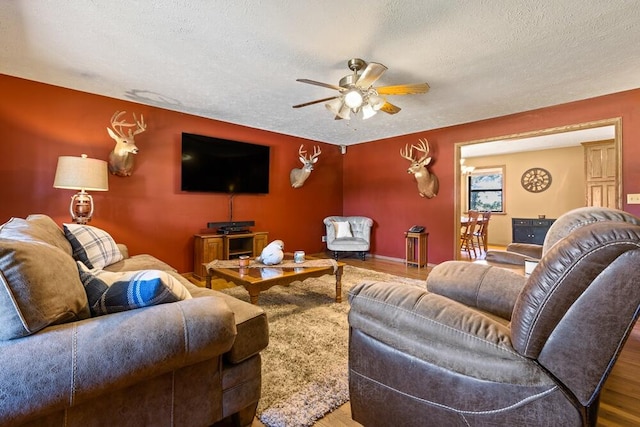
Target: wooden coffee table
x: 259, y: 279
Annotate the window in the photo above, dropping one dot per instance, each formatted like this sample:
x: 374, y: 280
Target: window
x: 485, y: 189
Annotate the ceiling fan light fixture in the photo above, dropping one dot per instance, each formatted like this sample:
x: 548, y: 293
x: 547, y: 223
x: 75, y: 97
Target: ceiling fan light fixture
x: 376, y: 102
x: 338, y: 108
x: 357, y: 93
x: 353, y: 99
x: 334, y: 105
x: 345, y: 112
x: 368, y: 111
x: 465, y: 170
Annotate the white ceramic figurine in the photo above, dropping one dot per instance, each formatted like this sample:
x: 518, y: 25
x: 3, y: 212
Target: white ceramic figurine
x: 272, y: 253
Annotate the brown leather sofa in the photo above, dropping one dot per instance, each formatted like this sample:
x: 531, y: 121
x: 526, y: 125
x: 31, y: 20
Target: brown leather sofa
x: 486, y: 346
x: 187, y: 363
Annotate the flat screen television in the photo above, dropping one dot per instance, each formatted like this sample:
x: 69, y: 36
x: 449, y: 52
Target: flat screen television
x: 215, y: 165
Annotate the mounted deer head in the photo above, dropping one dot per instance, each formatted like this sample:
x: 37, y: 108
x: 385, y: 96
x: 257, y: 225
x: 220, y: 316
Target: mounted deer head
x: 121, y: 158
x: 299, y: 176
x: 427, y: 182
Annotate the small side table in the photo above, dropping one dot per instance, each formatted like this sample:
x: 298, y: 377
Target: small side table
x: 417, y: 245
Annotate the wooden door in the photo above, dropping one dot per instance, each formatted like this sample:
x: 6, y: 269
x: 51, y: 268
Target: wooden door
x: 601, y: 174
x: 206, y: 249
x: 260, y: 240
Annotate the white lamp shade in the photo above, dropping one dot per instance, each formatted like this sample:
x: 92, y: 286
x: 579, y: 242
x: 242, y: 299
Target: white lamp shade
x: 367, y: 111
x: 376, y: 102
x: 81, y: 173
x: 345, y: 112
x: 334, y: 105
x: 338, y: 108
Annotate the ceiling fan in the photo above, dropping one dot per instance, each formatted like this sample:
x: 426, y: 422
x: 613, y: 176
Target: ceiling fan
x: 358, y: 94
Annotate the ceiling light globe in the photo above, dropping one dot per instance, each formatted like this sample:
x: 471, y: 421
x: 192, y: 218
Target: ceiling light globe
x: 353, y: 99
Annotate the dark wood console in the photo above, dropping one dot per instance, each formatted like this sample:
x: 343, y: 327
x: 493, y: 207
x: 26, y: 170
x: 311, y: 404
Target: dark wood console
x: 208, y: 247
x: 529, y: 230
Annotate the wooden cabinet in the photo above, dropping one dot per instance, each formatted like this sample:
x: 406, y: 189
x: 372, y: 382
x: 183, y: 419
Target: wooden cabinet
x: 417, y: 247
x: 529, y: 230
x: 601, y: 174
x: 208, y: 247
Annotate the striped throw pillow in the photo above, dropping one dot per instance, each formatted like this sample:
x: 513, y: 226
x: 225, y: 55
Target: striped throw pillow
x: 110, y: 292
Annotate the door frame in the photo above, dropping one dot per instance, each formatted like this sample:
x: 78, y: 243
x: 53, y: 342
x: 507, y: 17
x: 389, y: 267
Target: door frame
x: 458, y: 181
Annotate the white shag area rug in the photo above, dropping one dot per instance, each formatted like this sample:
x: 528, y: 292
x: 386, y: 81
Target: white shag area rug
x: 304, y: 368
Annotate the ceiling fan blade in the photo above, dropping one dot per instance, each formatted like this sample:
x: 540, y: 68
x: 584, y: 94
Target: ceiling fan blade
x: 403, y: 89
x: 370, y: 74
x: 315, y: 102
x: 327, y: 85
x: 390, y: 108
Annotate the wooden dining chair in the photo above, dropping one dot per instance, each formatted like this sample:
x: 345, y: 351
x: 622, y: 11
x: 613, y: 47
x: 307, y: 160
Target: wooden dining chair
x: 467, y: 233
x: 480, y: 233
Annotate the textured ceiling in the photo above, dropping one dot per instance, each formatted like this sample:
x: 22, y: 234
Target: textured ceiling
x: 540, y: 142
x: 238, y: 60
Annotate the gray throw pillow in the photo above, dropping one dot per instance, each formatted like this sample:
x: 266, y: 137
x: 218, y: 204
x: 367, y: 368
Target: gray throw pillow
x: 36, y: 227
x: 39, y: 286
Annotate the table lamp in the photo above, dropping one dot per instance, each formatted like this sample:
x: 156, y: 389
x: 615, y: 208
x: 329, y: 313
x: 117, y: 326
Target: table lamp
x: 81, y: 173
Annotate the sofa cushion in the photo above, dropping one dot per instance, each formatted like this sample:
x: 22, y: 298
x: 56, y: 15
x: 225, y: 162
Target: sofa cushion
x: 251, y: 323
x: 36, y: 227
x: 110, y: 292
x: 39, y: 286
x: 92, y: 246
x: 343, y: 229
x: 139, y: 262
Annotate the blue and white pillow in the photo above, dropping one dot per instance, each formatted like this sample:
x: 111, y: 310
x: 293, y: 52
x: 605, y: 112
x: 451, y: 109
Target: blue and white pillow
x: 92, y: 246
x: 111, y: 292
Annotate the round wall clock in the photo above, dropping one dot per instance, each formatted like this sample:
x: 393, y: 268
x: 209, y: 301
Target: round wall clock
x: 536, y: 180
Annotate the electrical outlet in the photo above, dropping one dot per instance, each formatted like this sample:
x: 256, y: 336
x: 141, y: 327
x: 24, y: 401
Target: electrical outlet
x: 324, y: 238
x: 633, y: 199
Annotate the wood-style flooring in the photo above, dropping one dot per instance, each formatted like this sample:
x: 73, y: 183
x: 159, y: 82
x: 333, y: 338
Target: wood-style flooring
x: 620, y: 399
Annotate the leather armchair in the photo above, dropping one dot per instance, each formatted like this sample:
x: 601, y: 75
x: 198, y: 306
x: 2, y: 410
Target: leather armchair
x: 483, y: 345
x: 357, y: 239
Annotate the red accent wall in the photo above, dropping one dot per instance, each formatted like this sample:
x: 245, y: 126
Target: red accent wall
x: 147, y: 211
x: 376, y: 183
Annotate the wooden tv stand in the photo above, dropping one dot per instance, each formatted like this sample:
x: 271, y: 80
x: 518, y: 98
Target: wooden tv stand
x: 208, y: 247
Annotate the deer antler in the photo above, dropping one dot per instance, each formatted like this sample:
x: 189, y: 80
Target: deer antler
x: 303, y: 154
x: 118, y: 124
x: 142, y: 126
x: 316, y: 152
x: 407, y: 153
x: 424, y: 147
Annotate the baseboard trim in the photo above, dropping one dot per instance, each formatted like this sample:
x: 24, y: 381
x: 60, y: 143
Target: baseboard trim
x: 400, y: 260
x: 388, y: 258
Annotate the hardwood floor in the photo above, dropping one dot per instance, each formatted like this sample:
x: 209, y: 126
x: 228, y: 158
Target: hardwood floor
x: 620, y: 398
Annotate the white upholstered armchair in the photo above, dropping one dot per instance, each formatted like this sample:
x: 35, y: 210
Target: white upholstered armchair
x: 348, y: 234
